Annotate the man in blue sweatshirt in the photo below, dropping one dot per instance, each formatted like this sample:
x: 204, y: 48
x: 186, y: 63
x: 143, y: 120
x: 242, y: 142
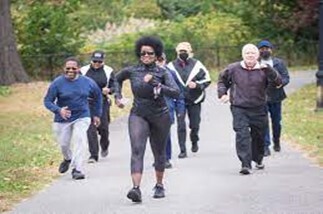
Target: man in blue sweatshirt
x: 67, y: 98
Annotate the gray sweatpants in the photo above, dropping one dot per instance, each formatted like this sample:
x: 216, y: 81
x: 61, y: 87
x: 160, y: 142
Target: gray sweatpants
x: 73, y: 135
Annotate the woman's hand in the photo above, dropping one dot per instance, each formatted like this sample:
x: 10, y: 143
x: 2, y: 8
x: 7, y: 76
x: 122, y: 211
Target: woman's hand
x: 148, y: 78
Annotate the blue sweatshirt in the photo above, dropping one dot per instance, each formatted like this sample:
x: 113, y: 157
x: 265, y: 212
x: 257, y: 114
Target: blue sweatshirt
x: 73, y: 94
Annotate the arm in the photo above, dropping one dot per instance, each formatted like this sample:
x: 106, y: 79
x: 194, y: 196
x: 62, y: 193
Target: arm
x: 282, y: 69
x: 169, y: 88
x: 96, y: 94
x: 273, y: 76
x: 50, y: 97
x: 203, y: 79
x: 224, y: 83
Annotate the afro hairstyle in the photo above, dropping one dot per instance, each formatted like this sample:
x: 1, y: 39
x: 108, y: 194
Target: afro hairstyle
x: 151, y: 41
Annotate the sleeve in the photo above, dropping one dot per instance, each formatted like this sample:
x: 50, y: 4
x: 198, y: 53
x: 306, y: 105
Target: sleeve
x: 50, y: 97
x: 273, y: 76
x: 169, y: 87
x: 282, y: 69
x: 121, y: 76
x: 112, y: 84
x: 203, y: 79
x: 224, y: 82
x: 97, y: 96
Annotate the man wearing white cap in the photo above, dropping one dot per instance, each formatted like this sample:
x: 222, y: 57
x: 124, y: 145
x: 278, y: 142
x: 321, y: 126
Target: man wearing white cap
x: 194, y: 78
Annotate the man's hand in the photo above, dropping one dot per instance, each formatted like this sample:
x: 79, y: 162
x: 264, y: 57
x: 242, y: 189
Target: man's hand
x: 119, y: 103
x: 65, y: 113
x: 225, y: 98
x: 96, y: 121
x: 263, y: 65
x: 106, y: 91
x: 192, y: 85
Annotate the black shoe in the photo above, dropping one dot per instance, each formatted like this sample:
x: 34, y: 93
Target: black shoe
x: 182, y: 155
x: 93, y: 159
x: 168, y: 164
x: 195, y: 147
x: 63, y: 167
x: 277, y: 147
x: 104, y: 153
x: 159, y: 191
x: 245, y: 171
x: 260, y: 166
x: 134, y: 194
x: 267, y: 152
x: 77, y: 175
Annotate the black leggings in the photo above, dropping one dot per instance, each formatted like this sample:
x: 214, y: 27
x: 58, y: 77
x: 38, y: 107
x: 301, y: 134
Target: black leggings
x: 157, y: 129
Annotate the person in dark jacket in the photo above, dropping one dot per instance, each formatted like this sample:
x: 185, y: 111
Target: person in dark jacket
x: 247, y: 81
x: 67, y: 97
x: 275, y: 95
x: 104, y: 77
x: 194, y: 79
x: 149, y: 116
x: 176, y: 107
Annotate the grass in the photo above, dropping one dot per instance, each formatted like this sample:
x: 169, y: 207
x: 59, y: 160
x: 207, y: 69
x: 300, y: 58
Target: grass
x: 4, y: 91
x: 28, y: 154
x: 302, y: 125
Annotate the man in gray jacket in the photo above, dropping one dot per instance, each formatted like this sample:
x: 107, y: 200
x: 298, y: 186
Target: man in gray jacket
x: 275, y: 95
x: 247, y: 81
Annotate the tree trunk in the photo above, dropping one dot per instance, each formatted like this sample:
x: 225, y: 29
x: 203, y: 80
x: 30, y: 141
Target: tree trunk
x: 11, y: 69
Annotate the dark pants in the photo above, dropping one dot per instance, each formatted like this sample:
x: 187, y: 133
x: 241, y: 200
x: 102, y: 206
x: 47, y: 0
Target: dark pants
x: 250, y: 126
x: 194, y: 116
x: 180, y: 111
x: 103, y: 130
x: 156, y: 128
x: 169, y: 147
x: 275, y: 114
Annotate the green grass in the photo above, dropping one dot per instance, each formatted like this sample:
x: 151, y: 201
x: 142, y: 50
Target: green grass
x: 4, y: 91
x: 27, y: 154
x: 302, y: 124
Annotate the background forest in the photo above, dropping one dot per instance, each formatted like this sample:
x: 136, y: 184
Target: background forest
x: 48, y: 31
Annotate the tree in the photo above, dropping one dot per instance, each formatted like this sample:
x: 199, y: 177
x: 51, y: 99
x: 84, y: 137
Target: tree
x: 11, y: 69
x: 47, y: 35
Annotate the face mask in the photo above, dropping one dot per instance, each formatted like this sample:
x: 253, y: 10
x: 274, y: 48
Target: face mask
x: 183, y: 56
x: 265, y: 54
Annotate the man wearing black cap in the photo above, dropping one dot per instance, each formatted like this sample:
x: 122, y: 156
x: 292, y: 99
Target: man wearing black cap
x: 104, y: 77
x: 275, y: 94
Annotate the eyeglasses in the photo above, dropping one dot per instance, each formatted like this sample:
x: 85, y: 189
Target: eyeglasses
x: 96, y: 61
x: 146, y: 52
x: 71, y: 68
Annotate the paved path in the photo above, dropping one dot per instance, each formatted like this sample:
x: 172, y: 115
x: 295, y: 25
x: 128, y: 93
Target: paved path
x: 206, y: 182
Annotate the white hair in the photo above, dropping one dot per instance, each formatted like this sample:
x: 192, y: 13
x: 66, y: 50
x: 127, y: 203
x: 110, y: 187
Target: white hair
x: 249, y: 47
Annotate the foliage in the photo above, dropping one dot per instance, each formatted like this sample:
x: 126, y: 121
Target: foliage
x: 46, y: 34
x: 181, y: 9
x: 302, y: 124
x: 213, y: 37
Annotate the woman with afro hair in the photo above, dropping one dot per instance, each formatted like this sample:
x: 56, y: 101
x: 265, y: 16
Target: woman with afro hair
x: 149, y: 116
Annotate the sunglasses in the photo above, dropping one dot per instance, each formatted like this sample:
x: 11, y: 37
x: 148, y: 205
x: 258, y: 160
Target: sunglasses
x: 144, y: 53
x: 71, y: 68
x: 96, y: 61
